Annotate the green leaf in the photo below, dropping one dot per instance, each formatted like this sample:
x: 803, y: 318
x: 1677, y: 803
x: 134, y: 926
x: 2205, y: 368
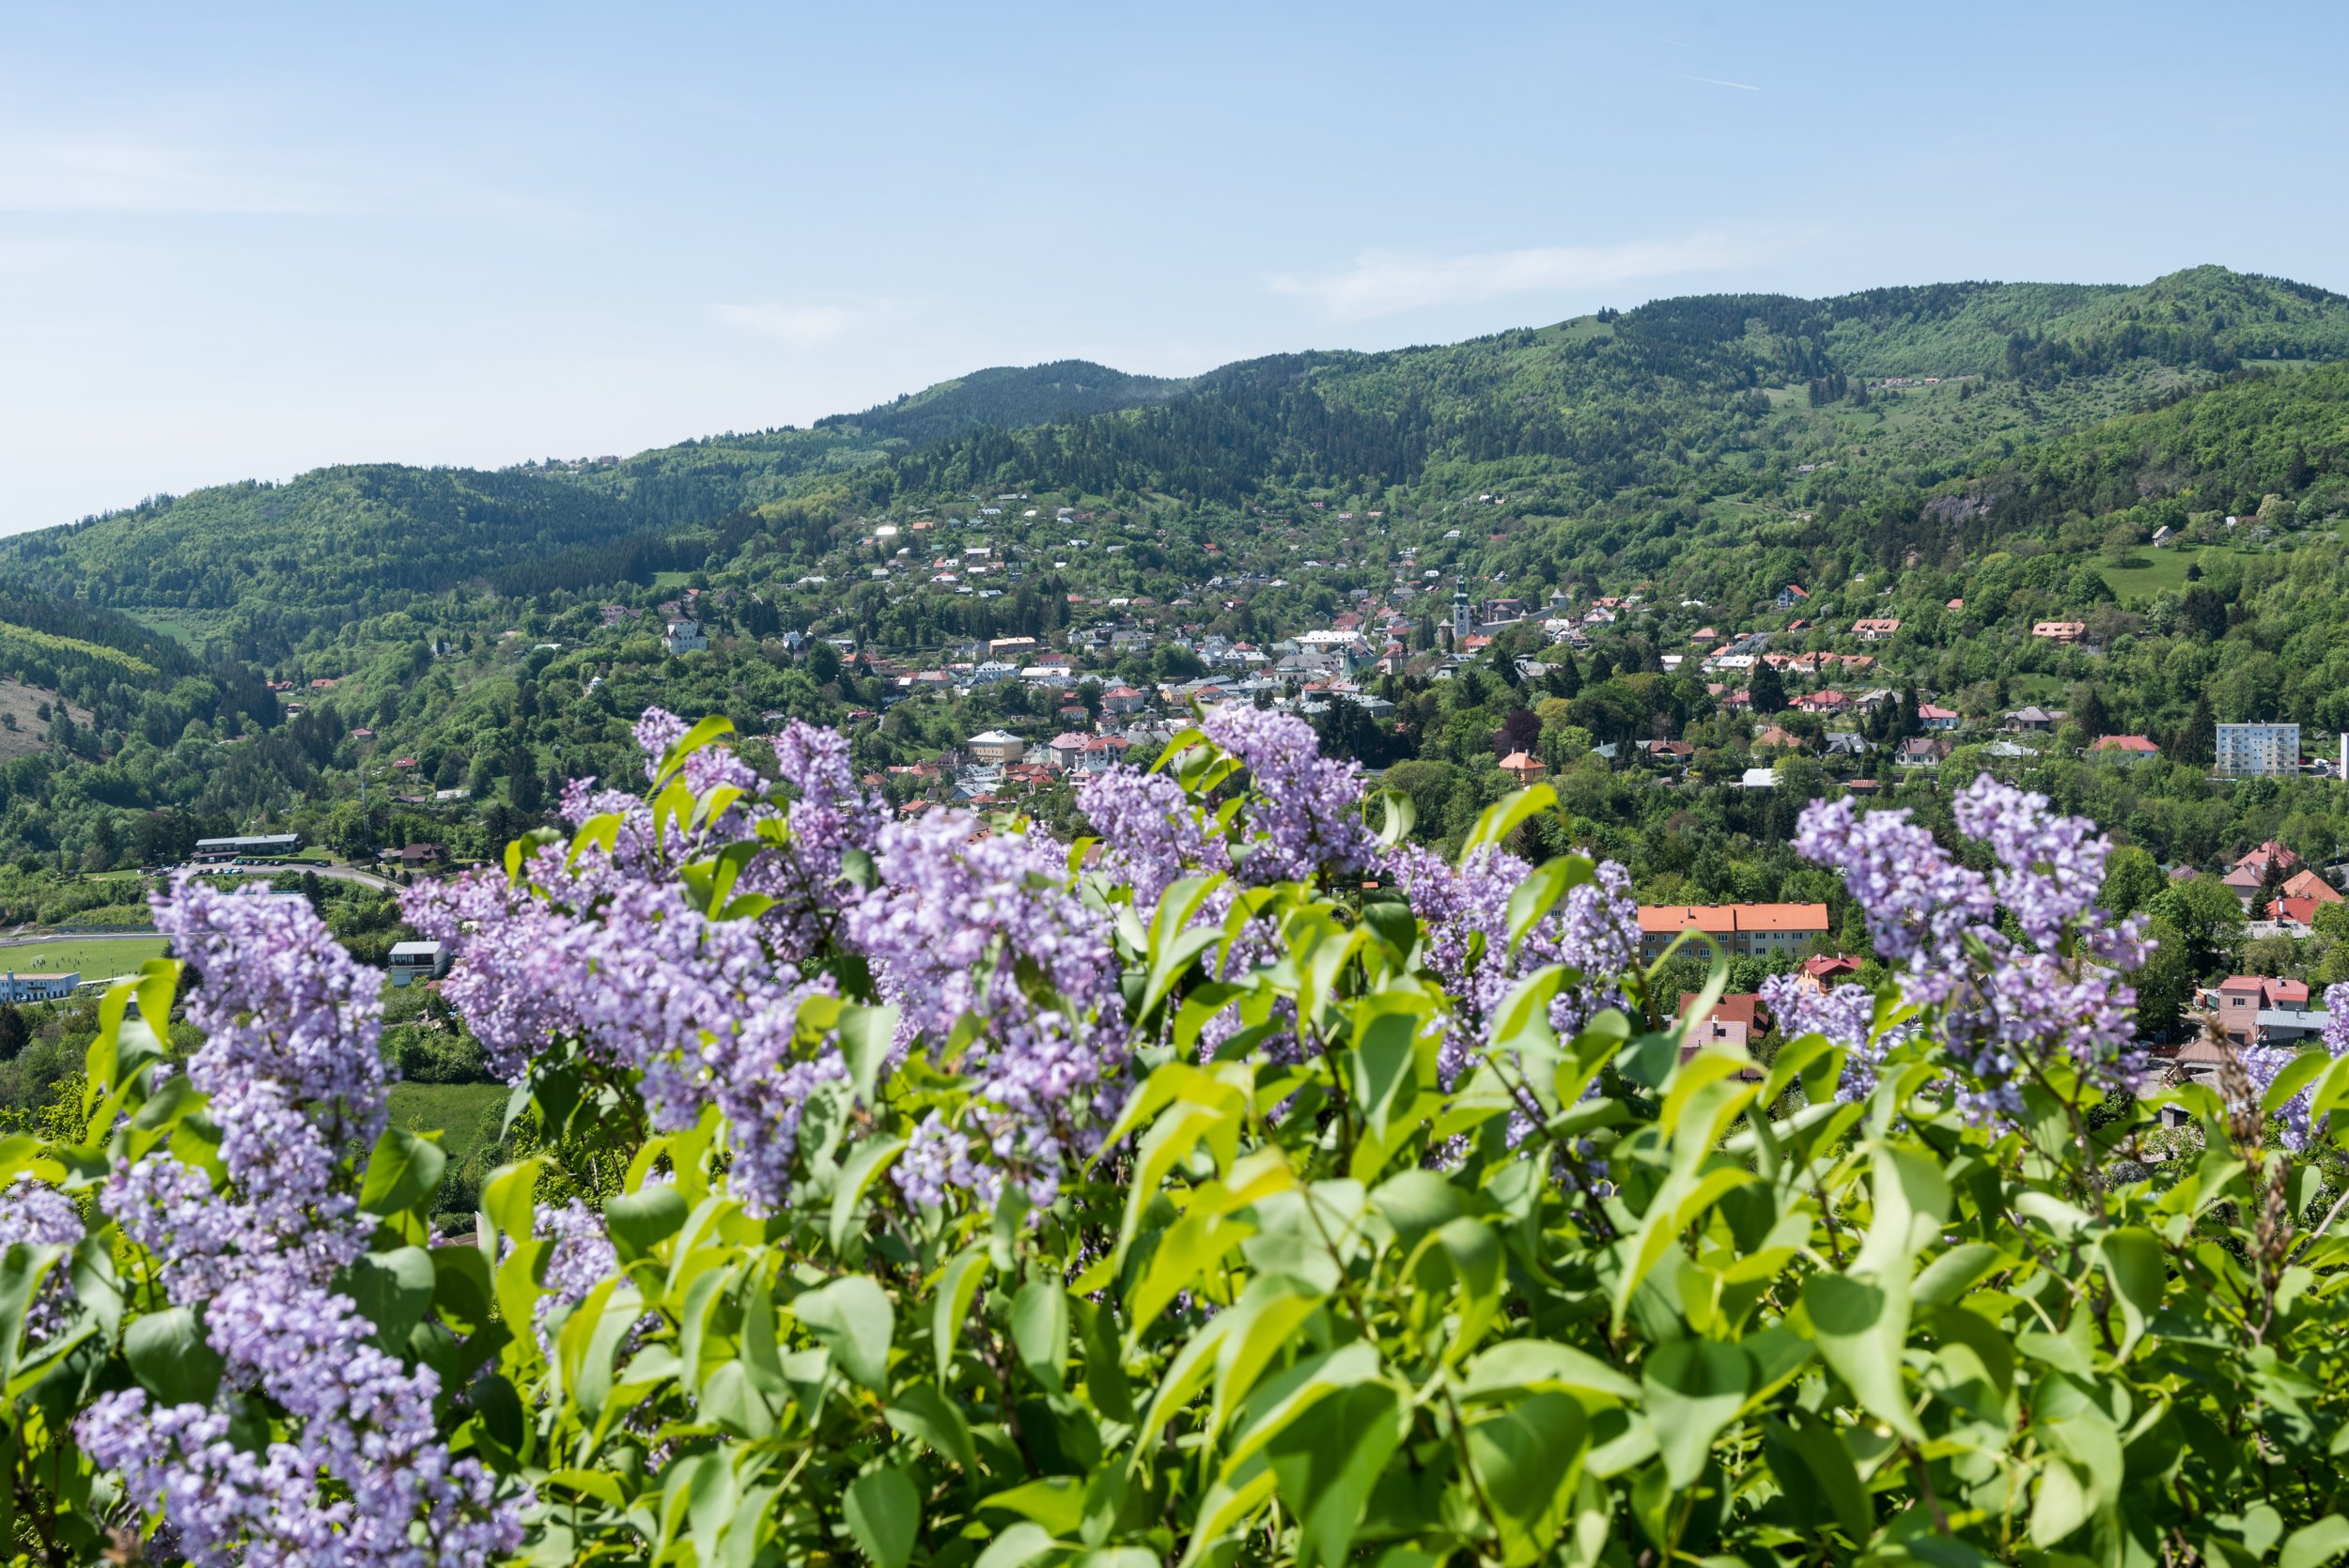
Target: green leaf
x: 865, y: 1035
x: 852, y: 1318
x: 393, y: 1291
x: 1039, y: 1330
x: 2293, y: 1077
x: 2061, y: 1505
x: 1525, y: 1458
x: 1056, y: 1502
x: 885, y: 1514
x: 1400, y: 814
x: 1544, y: 1365
x: 2134, y: 1263
x: 692, y: 741
x: 1264, y: 1321
x: 1827, y: 1467
x: 507, y: 1196
x: 402, y: 1172
x: 1539, y: 892
x: 463, y: 1291
x: 1500, y: 819
x: 21, y: 1274
x: 1326, y: 1463
x: 958, y: 1287
x: 922, y: 1412
x: 168, y: 1355
x: 1017, y: 1545
x: 1694, y: 1388
x: 2313, y: 1545
x: 1860, y: 1330
x: 864, y: 1167
x: 643, y: 1219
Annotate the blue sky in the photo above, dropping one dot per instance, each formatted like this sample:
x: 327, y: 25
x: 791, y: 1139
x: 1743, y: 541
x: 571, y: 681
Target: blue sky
x: 244, y: 240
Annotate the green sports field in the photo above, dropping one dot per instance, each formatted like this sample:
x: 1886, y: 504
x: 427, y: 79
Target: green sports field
x: 93, y: 958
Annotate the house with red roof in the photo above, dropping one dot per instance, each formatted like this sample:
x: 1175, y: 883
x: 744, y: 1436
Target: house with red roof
x: 1825, y: 971
x: 2135, y: 748
x: 1522, y: 768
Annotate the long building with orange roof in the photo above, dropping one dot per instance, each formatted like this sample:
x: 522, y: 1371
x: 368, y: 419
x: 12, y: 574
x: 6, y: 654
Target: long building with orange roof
x: 1743, y: 930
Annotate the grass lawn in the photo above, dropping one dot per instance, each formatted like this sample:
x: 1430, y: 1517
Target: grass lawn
x: 671, y: 579
x: 2166, y: 568
x: 95, y: 957
x: 464, y: 1114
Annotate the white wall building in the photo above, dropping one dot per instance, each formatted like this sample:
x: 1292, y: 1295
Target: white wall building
x: 2258, y: 751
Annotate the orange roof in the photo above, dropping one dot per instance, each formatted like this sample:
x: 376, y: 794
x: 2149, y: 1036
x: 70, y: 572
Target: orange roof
x: 1780, y: 917
x: 1733, y: 917
x: 1666, y: 918
x: 2307, y: 884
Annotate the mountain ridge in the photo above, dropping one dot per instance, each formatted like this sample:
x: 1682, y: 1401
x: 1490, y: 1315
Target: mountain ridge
x: 1690, y: 392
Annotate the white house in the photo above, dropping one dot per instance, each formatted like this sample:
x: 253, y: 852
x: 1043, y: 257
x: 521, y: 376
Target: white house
x: 684, y: 637
x: 414, y: 961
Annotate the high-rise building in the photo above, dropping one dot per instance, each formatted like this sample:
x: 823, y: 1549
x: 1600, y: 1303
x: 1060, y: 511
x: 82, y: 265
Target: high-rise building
x: 2258, y: 751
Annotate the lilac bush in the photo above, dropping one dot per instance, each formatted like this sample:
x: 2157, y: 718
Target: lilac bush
x: 357, y: 1471
x: 1240, y: 1192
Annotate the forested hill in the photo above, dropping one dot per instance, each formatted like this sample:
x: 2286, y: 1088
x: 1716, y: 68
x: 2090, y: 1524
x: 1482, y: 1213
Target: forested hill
x: 1643, y: 414
x: 1008, y: 396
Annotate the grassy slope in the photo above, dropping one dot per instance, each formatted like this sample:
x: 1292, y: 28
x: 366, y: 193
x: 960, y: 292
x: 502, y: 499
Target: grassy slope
x: 465, y: 1114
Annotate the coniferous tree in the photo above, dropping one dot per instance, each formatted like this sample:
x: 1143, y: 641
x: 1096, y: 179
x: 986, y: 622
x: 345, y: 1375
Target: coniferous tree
x: 2197, y: 744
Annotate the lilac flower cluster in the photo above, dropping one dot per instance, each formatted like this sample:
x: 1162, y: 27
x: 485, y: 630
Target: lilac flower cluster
x: 362, y: 1419
x: 1307, y: 816
x: 959, y: 916
x: 2006, y: 1006
x: 1150, y: 832
x: 291, y: 1067
x: 38, y: 1215
x: 2260, y: 1063
x: 1846, y: 1014
x: 610, y: 951
x: 1594, y: 928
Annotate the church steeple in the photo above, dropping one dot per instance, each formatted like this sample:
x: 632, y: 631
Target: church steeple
x: 1461, y: 622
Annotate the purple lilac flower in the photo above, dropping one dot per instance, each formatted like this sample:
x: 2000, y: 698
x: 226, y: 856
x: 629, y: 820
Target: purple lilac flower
x: 654, y: 732
x: 1150, y: 832
x: 1307, y: 818
x: 1919, y: 904
x: 294, y: 1081
x: 958, y: 914
x: 2261, y: 1063
x: 1846, y: 1014
x: 1465, y: 908
x: 2006, y: 1006
x: 39, y: 1215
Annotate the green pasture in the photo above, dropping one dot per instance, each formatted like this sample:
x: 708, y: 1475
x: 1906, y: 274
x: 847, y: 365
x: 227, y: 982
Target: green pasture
x: 464, y: 1114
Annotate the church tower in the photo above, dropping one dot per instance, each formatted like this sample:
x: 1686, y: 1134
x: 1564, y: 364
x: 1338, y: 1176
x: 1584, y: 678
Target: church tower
x: 1461, y: 622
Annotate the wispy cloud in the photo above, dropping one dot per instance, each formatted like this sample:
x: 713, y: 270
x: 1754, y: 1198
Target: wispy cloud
x: 1381, y: 282
x: 1712, y: 81
x: 51, y: 174
x: 799, y: 326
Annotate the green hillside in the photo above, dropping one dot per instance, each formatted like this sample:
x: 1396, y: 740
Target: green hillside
x: 464, y: 640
